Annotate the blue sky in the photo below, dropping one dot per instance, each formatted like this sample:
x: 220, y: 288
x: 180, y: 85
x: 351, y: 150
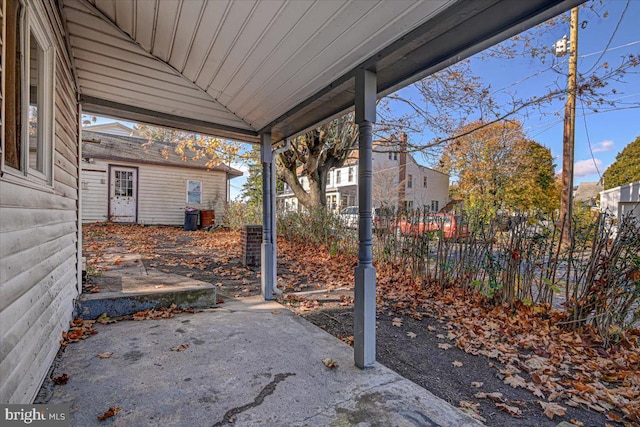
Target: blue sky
x: 604, y: 134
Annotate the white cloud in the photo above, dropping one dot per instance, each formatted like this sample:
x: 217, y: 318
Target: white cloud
x: 601, y: 147
x: 242, y: 167
x: 586, y: 167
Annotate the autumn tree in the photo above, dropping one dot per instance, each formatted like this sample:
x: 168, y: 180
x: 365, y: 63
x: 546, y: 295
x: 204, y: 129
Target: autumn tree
x: 626, y: 167
x: 498, y: 167
x: 193, y: 146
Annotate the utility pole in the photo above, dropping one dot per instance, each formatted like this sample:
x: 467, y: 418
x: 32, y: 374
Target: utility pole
x: 568, y: 140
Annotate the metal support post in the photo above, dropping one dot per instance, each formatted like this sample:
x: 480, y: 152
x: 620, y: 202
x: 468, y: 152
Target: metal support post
x: 364, y: 316
x: 267, y: 264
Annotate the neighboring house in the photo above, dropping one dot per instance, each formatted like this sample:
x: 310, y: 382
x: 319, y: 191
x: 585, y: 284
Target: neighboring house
x: 587, y: 193
x: 398, y: 181
x: 622, y: 201
x: 126, y: 179
x: 112, y: 128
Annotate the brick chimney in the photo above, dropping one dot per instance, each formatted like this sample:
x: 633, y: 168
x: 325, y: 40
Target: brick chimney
x: 402, y: 170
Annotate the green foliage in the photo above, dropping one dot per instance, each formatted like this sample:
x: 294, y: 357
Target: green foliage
x: 626, y: 168
x: 498, y: 167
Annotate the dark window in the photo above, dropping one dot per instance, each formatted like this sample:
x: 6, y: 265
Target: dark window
x: 13, y: 76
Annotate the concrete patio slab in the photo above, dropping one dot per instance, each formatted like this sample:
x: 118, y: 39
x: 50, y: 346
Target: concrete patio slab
x: 128, y: 287
x: 248, y: 363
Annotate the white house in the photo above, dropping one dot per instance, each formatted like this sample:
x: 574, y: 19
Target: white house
x: 398, y: 181
x: 256, y: 72
x: 126, y: 179
x: 622, y: 201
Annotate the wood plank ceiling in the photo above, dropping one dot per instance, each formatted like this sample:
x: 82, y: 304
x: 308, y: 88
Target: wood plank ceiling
x: 236, y: 68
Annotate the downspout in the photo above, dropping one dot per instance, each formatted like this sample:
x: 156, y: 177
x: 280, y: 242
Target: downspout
x: 274, y: 233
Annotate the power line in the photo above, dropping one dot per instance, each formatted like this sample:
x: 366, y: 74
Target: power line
x: 626, y: 6
x: 586, y: 130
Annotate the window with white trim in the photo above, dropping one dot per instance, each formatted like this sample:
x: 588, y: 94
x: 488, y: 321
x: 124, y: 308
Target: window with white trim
x: 409, y: 181
x: 194, y: 192
x: 28, y: 88
x: 424, y: 182
x: 435, y: 206
x: 350, y: 174
x: 338, y: 177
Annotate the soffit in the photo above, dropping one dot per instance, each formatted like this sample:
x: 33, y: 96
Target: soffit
x: 236, y: 68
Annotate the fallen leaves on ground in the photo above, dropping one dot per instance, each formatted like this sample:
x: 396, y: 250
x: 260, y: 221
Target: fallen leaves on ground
x: 109, y: 413
x: 477, y: 384
x: 105, y: 319
x: 105, y: 355
x: 161, y: 313
x: 181, y: 347
x: 79, y: 329
x: 457, y: 363
x: 472, y: 409
x: 397, y: 322
x: 61, y: 380
x: 559, y: 365
x: 552, y: 409
x: 330, y: 363
x: 444, y: 345
x: 411, y: 335
x: 511, y: 410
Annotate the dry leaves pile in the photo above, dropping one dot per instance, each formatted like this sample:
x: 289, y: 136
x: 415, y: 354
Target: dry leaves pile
x: 161, y: 313
x: 79, y: 329
x: 558, y: 366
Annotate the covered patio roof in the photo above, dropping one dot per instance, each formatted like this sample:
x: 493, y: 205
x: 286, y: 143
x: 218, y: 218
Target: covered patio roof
x: 237, y: 69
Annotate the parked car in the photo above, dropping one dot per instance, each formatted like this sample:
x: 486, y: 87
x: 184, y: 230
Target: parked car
x: 441, y: 225
x: 349, y: 216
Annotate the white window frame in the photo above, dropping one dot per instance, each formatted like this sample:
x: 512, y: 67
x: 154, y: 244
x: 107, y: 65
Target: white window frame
x: 409, y: 181
x: 32, y: 22
x: 338, y: 177
x: 189, y: 181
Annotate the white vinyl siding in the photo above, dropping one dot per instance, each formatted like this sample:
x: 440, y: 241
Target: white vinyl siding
x: 94, y: 185
x: 38, y: 246
x: 161, y: 192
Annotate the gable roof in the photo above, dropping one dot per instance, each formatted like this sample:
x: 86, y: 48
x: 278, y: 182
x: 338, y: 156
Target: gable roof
x: 587, y: 191
x: 112, y: 128
x: 129, y: 149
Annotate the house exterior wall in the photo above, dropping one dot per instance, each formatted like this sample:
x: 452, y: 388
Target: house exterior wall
x: 39, y: 242
x: 437, y: 189
x: 94, y: 181
x: 162, y: 192
x: 343, y: 191
x: 621, y: 200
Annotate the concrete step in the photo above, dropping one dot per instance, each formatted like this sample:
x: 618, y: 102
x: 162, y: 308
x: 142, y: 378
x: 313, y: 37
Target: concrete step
x: 152, y: 290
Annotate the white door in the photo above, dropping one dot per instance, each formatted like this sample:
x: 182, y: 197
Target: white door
x: 122, y: 194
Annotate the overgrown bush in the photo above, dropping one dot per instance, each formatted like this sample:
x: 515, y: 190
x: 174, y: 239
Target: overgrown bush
x: 513, y: 259
x: 238, y: 214
x: 317, y: 226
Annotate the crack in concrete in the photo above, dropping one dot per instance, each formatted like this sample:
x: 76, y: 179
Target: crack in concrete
x: 335, y: 404
x: 267, y: 390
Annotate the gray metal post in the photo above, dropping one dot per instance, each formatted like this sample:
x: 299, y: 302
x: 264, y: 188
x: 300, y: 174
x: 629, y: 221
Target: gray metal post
x: 364, y: 316
x: 267, y: 270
